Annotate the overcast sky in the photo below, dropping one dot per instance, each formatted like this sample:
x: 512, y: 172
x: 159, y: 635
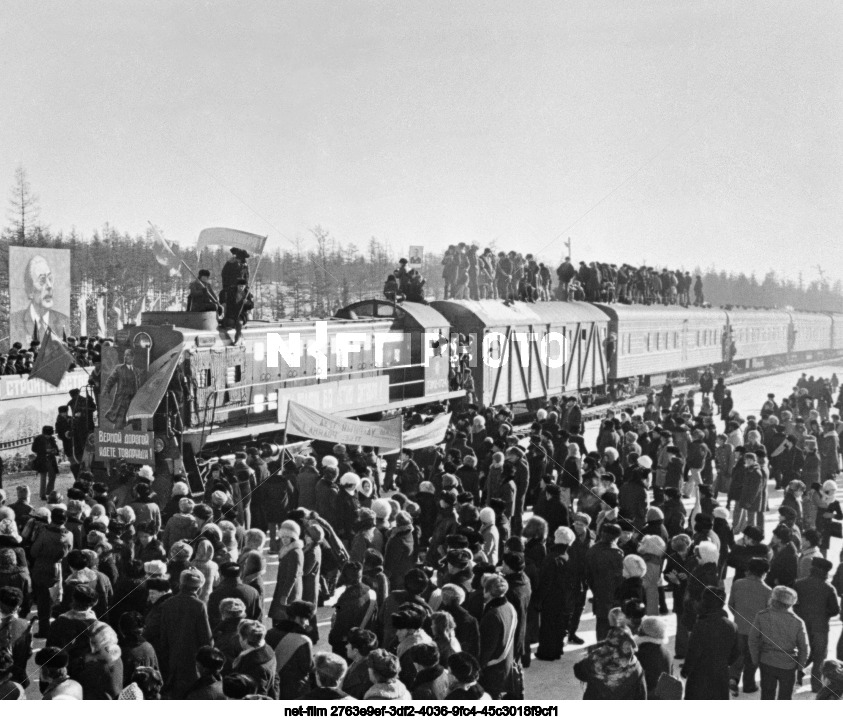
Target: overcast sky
x: 685, y: 132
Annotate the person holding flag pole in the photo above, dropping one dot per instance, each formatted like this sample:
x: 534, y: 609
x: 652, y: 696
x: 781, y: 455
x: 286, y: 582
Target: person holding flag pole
x: 235, y: 274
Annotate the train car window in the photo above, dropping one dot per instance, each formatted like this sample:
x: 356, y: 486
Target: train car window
x: 583, y: 334
x: 658, y: 339
x: 385, y: 311
x: 233, y: 375
x: 648, y: 342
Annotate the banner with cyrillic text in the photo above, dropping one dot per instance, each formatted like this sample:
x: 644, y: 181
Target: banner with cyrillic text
x: 308, y: 423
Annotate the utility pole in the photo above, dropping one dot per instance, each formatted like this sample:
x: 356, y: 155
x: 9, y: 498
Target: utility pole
x: 568, y: 246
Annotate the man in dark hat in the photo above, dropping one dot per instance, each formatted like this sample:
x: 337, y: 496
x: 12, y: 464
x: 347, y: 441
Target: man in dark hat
x: 816, y: 605
x: 200, y: 294
x: 46, y: 452
x: 231, y: 586
x: 235, y: 269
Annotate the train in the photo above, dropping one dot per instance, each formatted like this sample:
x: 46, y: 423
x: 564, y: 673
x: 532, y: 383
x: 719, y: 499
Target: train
x: 377, y: 357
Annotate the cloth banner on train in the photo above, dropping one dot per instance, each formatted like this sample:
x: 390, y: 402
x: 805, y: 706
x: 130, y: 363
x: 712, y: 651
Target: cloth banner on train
x: 308, y: 423
x: 149, y: 395
x: 249, y: 242
x: 425, y: 436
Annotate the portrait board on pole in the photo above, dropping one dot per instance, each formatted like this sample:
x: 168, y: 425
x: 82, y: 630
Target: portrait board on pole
x: 39, y: 293
x: 416, y: 256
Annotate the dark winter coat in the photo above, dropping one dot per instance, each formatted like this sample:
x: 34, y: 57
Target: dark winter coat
x: 294, y: 660
x: 326, y: 496
x: 259, y: 663
x: 431, y: 684
x: 288, y: 587
x: 307, y: 481
x: 49, y: 549
x: 351, y: 609
x: 234, y: 588
x: 399, y: 555
x: 467, y: 630
x: 712, y: 648
x: 346, y: 506
x: 184, y: 630
x: 655, y: 658
x: 518, y: 595
x: 497, y: 631
x: 604, y: 569
x: 784, y: 568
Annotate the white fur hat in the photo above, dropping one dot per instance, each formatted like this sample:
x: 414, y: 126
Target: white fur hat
x: 634, y: 566
x: 708, y: 552
x: 382, y: 508
x: 350, y: 480
x: 564, y: 535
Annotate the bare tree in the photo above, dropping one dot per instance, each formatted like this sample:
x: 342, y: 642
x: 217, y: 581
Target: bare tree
x: 23, y: 207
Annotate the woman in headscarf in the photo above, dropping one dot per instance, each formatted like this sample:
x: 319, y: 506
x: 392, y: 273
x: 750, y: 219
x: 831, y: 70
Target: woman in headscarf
x: 611, y: 670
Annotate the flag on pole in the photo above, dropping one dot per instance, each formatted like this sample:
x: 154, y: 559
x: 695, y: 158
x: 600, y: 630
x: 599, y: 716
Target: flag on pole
x: 137, y: 311
x: 83, y: 311
x: 52, y: 361
x: 158, y: 377
x: 164, y: 253
x: 249, y: 242
x: 119, y: 312
x: 101, y: 316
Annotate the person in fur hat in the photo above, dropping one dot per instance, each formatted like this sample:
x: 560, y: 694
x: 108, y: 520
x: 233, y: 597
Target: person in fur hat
x: 652, y: 550
x: 288, y: 587
x: 632, y: 586
x: 490, y: 534
x: 653, y: 654
x: 554, y: 596
x: 778, y: 642
x: 702, y: 573
x: 829, y: 512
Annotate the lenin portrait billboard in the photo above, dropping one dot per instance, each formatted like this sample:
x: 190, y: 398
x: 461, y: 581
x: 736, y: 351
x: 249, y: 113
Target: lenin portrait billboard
x: 39, y: 292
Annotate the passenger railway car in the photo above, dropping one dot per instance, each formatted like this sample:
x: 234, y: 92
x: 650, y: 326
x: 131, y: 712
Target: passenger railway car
x: 652, y: 341
x: 758, y: 335
x: 811, y: 333
x: 512, y: 342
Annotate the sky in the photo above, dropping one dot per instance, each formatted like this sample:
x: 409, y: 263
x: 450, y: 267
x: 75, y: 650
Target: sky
x: 688, y: 133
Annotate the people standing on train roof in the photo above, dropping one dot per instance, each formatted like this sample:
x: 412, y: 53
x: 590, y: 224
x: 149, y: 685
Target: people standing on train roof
x: 235, y: 269
x: 238, y: 303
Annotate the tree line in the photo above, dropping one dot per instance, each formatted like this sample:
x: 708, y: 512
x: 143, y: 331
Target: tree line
x: 311, y: 276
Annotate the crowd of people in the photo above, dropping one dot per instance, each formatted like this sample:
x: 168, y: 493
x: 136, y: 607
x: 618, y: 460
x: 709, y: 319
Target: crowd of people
x: 471, y: 274
x: 19, y: 360
x: 452, y: 570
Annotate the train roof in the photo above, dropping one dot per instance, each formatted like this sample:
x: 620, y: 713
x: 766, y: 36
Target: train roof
x: 488, y: 313
x: 670, y: 313
x: 379, y: 308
